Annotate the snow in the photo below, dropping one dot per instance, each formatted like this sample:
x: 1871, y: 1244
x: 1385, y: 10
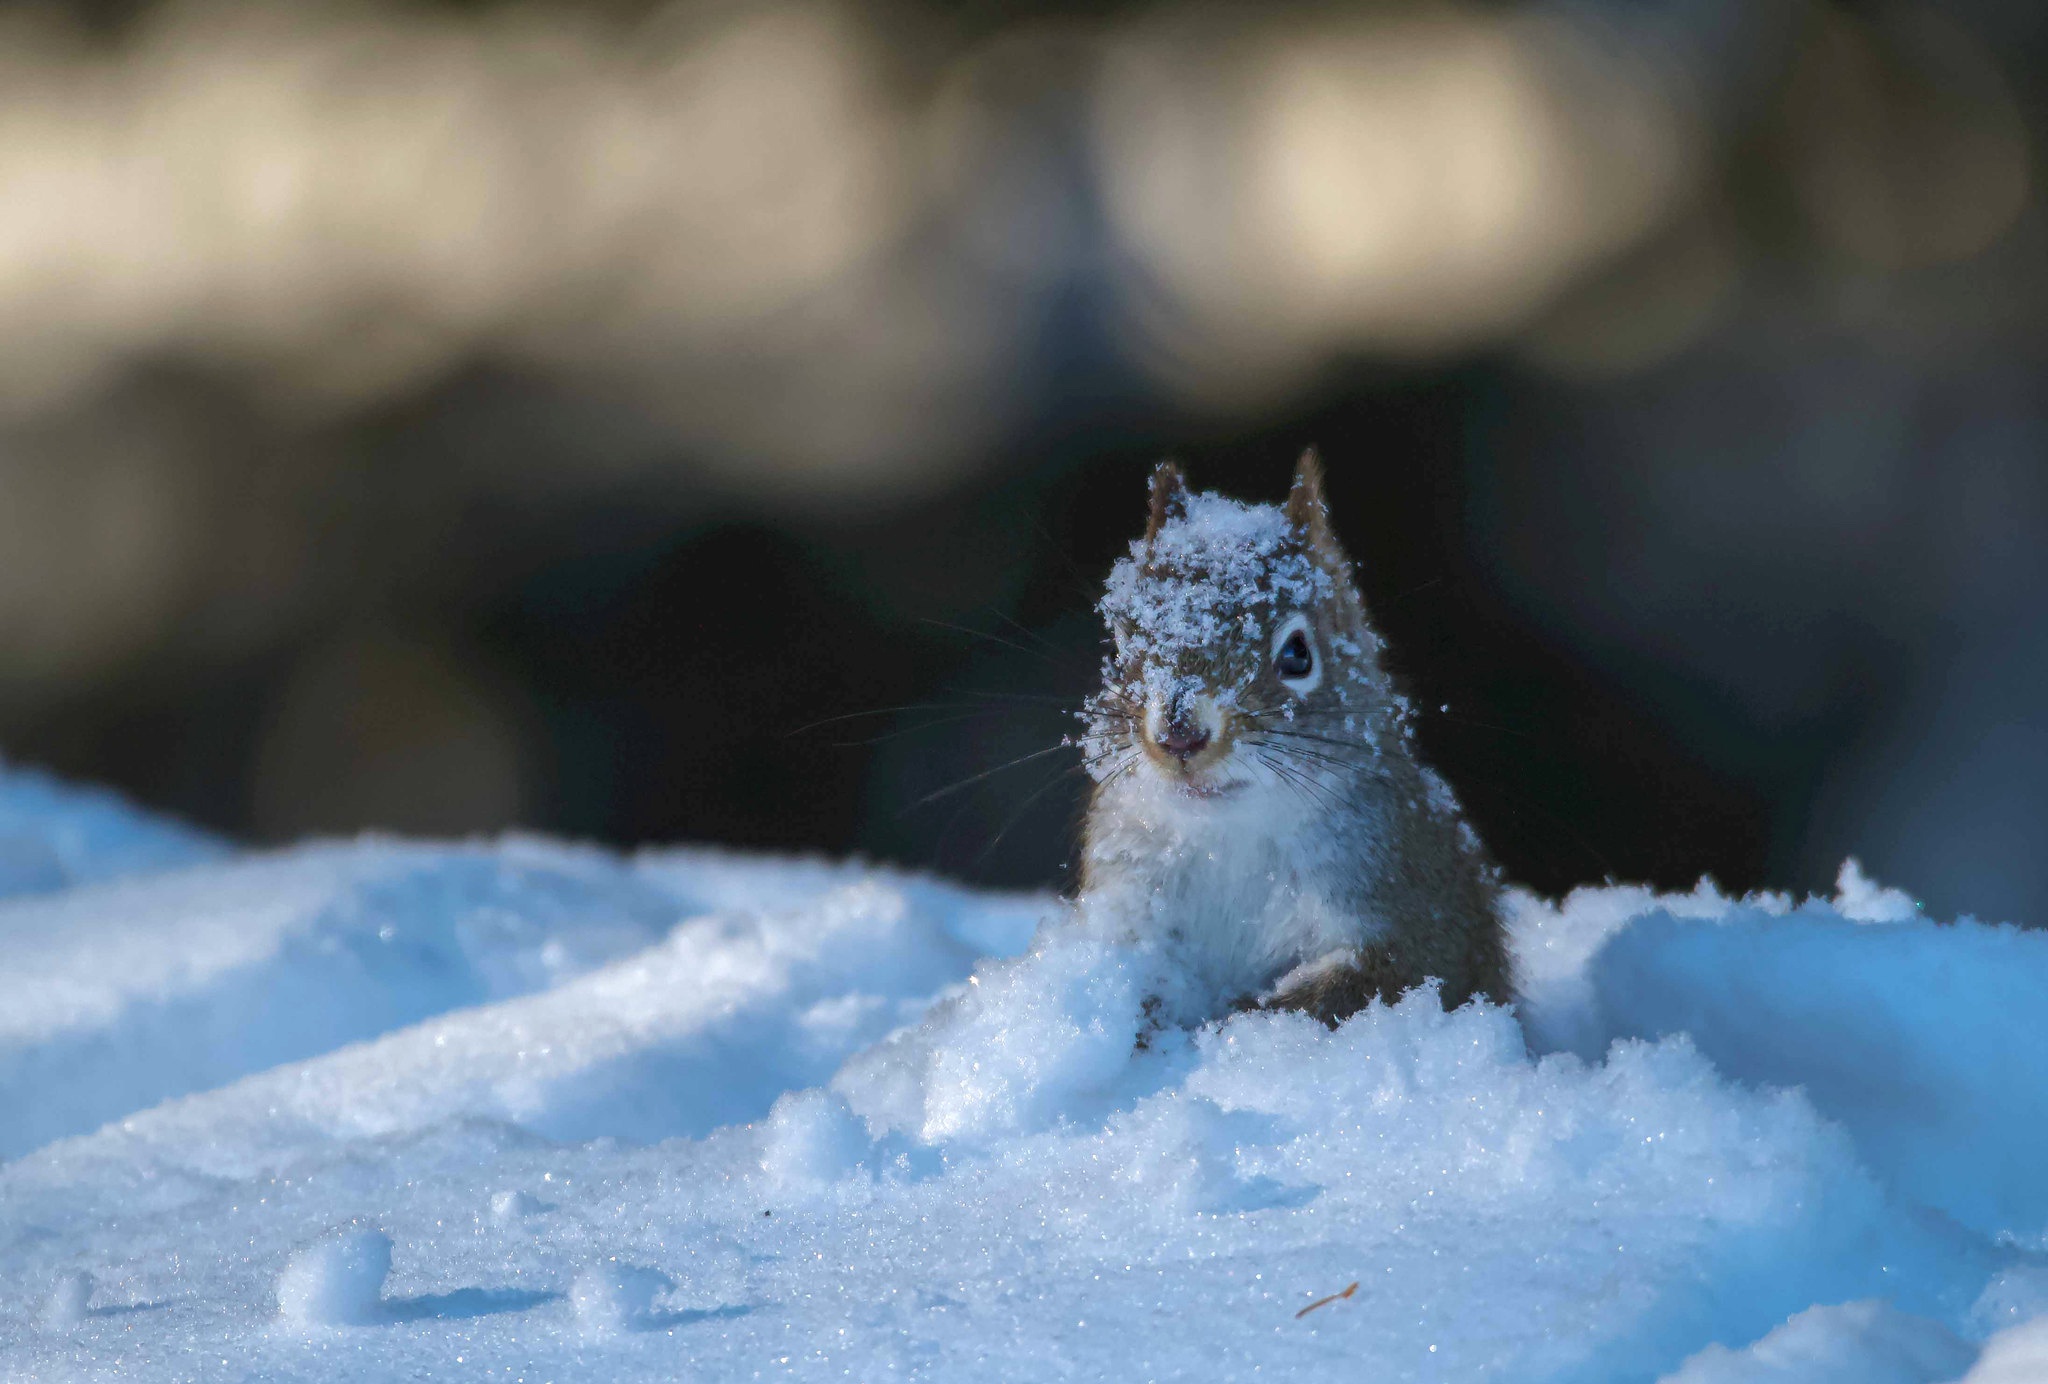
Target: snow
x: 2015, y: 1356
x: 511, y: 1207
x: 386, y: 1110
x: 53, y: 836
x: 1855, y: 1343
x: 1209, y: 580
x: 614, y: 1297
x: 336, y: 1281
x: 1922, y: 1040
x: 66, y: 1306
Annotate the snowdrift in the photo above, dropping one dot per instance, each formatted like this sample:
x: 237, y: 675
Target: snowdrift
x: 385, y: 1110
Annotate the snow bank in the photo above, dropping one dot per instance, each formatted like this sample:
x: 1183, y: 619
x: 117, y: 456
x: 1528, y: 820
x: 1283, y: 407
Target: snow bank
x: 692, y: 1115
x: 1928, y: 1042
x: 2015, y: 1356
x: 702, y: 1029
x: 1856, y: 1343
x: 1050, y: 1037
x: 55, y: 835
x: 125, y: 995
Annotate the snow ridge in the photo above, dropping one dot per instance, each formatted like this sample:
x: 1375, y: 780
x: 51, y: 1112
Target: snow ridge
x: 55, y: 836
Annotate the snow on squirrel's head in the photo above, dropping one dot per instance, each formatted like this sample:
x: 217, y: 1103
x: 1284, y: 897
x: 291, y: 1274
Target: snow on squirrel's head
x: 1241, y: 651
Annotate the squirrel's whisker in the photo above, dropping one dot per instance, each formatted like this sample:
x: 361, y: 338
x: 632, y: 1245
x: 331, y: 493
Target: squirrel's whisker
x: 973, y: 633
x: 973, y: 779
x: 920, y: 727
x: 1018, y: 625
x: 1359, y: 766
x: 1049, y: 698
x: 1278, y: 760
x: 872, y: 711
x: 1017, y: 815
x: 1303, y: 784
x: 1307, y: 788
x: 1320, y: 756
x: 1281, y: 773
x: 1364, y: 745
x: 982, y: 706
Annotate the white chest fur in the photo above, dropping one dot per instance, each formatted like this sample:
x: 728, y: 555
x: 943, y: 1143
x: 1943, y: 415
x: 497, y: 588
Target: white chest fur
x: 1240, y: 889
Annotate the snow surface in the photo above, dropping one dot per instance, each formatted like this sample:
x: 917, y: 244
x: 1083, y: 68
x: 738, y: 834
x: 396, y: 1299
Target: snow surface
x: 382, y: 1110
x: 53, y: 835
x: 1855, y: 1343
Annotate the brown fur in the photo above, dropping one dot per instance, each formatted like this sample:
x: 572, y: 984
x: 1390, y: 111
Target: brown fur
x: 1423, y: 874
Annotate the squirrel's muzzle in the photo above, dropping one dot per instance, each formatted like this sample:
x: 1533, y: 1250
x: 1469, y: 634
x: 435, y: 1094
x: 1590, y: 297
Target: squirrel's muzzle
x: 1184, y: 734
x: 1183, y: 739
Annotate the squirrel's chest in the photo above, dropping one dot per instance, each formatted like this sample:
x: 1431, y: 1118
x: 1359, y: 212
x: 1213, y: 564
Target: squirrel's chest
x: 1240, y: 904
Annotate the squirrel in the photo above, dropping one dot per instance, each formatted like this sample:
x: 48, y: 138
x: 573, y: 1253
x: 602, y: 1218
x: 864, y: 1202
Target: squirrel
x: 1258, y: 808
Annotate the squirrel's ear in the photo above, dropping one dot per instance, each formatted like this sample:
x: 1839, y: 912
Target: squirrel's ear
x: 1307, y: 512
x: 1305, y: 508
x: 1169, y: 497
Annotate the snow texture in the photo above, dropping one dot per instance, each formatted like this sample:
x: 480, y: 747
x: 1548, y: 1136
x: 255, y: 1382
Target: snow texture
x: 383, y: 1110
x: 53, y: 836
x: 1211, y: 578
x: 614, y: 1297
x: 336, y: 1281
x: 2018, y: 1355
x: 66, y: 1306
x: 1855, y: 1343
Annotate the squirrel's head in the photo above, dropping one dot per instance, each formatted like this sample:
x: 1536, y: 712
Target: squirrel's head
x: 1240, y: 642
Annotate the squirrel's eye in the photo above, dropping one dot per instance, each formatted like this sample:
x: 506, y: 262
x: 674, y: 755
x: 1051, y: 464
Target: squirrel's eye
x: 1294, y: 656
x: 1294, y: 660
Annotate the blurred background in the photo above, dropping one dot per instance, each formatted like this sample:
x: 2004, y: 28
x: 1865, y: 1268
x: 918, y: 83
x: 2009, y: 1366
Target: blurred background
x: 710, y: 421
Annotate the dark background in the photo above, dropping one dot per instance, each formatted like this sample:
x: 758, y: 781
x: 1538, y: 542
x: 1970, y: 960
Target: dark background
x: 363, y: 465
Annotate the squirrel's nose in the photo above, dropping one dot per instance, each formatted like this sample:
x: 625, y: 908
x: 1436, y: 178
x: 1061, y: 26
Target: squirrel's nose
x: 1183, y: 741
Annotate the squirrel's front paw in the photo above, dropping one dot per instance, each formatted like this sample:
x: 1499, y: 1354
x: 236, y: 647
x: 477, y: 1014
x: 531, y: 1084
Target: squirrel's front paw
x: 1334, y: 987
